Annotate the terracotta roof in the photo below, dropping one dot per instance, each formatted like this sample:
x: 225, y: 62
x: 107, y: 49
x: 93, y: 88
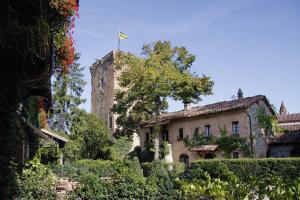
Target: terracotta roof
x: 211, y: 109
x: 205, y: 148
x: 290, y: 127
x: 287, y: 137
x: 289, y: 118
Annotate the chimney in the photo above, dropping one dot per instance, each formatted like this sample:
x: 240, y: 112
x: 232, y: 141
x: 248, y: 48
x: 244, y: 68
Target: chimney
x: 187, y: 105
x: 240, y: 94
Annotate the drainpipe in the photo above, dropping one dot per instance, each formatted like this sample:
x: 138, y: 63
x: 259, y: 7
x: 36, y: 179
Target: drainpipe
x: 251, y: 134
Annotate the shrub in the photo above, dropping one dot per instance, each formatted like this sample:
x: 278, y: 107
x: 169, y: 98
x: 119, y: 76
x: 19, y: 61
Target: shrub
x: 120, y: 148
x: 37, y: 181
x: 246, y: 170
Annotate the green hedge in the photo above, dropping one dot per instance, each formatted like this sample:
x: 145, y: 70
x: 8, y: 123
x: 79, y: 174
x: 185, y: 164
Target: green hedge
x: 287, y: 169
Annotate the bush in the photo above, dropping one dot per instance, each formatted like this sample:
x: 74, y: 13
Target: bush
x: 37, y: 181
x: 246, y: 170
x: 120, y: 148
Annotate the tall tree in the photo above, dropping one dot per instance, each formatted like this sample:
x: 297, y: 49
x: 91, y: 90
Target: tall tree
x: 67, y: 89
x: 163, y: 72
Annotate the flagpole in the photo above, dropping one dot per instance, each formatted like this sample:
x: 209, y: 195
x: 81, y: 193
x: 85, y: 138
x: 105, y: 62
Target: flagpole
x: 119, y: 40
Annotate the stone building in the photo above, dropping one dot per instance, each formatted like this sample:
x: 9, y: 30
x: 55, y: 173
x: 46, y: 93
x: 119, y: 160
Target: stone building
x: 104, y: 83
x: 287, y: 141
x: 238, y: 116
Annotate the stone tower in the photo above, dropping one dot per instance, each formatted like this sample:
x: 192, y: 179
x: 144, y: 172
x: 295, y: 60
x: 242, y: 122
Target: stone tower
x: 104, y: 82
x: 282, y: 110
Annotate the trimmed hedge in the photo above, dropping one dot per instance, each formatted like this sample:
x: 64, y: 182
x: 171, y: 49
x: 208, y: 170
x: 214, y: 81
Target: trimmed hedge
x: 287, y: 169
x: 101, y: 168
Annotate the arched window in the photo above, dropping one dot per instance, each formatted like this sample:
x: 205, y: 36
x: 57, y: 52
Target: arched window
x: 184, y: 159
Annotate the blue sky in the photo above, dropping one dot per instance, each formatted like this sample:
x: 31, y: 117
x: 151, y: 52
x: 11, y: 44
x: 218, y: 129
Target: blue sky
x: 248, y: 44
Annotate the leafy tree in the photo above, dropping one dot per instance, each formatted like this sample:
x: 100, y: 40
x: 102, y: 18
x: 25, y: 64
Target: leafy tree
x: 163, y: 72
x: 90, y: 139
x: 67, y: 90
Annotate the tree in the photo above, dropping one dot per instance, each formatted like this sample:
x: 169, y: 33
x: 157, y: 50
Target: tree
x: 90, y: 139
x: 67, y: 90
x: 163, y: 72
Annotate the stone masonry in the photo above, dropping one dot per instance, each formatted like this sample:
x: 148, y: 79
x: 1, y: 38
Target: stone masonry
x: 104, y: 83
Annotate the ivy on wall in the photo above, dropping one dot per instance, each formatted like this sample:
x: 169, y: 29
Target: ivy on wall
x: 227, y: 143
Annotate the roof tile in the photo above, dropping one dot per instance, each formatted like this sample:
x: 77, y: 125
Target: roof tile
x: 209, y: 109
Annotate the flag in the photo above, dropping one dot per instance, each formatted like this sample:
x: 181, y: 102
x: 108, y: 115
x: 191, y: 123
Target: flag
x: 122, y: 36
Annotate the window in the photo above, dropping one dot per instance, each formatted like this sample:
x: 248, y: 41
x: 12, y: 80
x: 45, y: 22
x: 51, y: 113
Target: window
x: 184, y: 159
x: 147, y: 137
x: 151, y: 130
x: 180, y: 136
x: 207, y: 131
x: 196, y: 132
x: 235, y: 128
x: 110, y: 122
x: 166, y: 135
x: 235, y: 155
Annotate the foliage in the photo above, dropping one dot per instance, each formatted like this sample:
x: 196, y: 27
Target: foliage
x: 287, y: 169
x: 227, y: 143
x: 164, y: 150
x: 26, y: 43
x: 242, y: 179
x: 233, y: 142
x: 67, y: 90
x: 67, y: 11
x: 163, y: 72
x: 49, y: 152
x: 107, y: 179
x: 267, y: 122
x: 165, y: 187
x: 207, y: 188
x: 92, y: 135
x: 121, y: 147
x: 199, y: 140
x: 37, y: 181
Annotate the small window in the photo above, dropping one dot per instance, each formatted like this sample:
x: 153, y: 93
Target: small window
x: 207, y: 131
x: 184, y: 159
x: 166, y: 135
x: 180, y: 136
x: 235, y: 155
x: 151, y: 130
x: 196, y: 132
x: 235, y: 128
x: 147, y: 137
x: 110, y: 122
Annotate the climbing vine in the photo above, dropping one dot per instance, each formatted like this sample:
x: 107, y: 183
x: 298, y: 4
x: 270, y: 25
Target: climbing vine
x: 227, y: 143
x: 164, y: 150
x: 267, y: 122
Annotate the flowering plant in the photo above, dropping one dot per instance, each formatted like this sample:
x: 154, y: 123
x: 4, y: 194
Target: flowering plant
x: 63, y: 40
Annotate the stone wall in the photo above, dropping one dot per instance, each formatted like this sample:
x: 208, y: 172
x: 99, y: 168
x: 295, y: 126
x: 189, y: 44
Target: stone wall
x: 260, y: 140
x: 281, y: 150
x: 103, y: 86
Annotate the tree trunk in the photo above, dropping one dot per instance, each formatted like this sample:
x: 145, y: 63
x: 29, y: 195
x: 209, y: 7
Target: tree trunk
x: 157, y: 130
x: 156, y: 145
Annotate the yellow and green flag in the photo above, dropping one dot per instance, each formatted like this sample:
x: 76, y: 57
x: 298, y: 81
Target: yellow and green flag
x: 122, y: 36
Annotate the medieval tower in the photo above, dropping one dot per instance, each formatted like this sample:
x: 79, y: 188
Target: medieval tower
x: 104, y: 82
